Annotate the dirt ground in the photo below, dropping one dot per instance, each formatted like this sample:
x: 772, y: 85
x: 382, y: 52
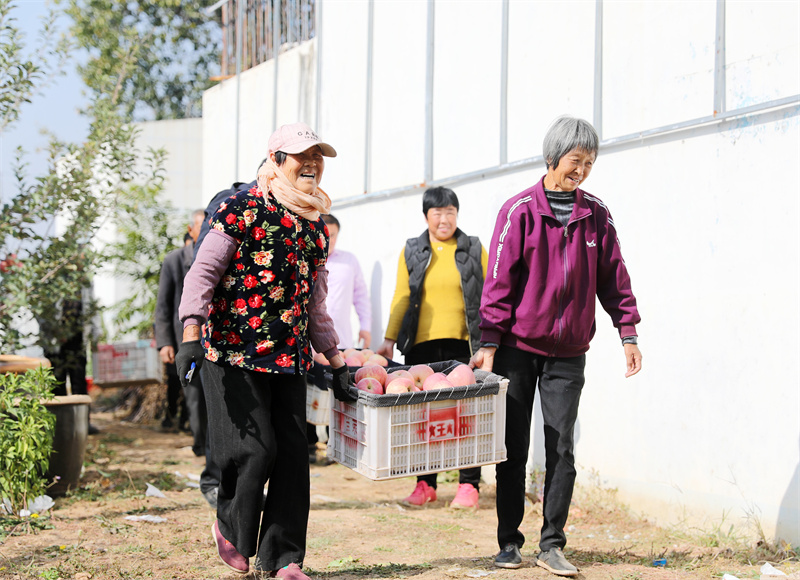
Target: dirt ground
x: 357, y: 528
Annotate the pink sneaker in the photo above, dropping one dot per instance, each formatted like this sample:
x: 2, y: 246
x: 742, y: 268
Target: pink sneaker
x: 228, y: 553
x: 466, y: 497
x: 291, y: 572
x: 421, y: 495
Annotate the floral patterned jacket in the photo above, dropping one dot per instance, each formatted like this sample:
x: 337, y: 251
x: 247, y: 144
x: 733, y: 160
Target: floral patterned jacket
x: 258, y: 317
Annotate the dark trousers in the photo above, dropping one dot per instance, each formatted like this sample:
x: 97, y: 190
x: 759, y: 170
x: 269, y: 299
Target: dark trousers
x: 435, y: 351
x: 560, y: 382
x: 257, y: 424
x: 69, y: 361
x: 198, y: 418
x: 209, y: 478
x: 176, y: 406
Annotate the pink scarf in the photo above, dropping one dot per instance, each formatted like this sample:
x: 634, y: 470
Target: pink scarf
x: 309, y: 206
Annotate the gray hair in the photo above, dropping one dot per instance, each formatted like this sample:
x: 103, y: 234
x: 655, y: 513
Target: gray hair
x: 565, y: 134
x: 198, y: 213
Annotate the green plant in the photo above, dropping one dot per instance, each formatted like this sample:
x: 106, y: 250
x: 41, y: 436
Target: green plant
x: 26, y: 435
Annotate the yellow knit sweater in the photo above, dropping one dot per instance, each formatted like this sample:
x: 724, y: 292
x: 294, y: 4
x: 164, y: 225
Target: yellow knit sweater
x: 441, y: 313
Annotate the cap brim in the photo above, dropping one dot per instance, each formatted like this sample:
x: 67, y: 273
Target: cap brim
x: 326, y: 149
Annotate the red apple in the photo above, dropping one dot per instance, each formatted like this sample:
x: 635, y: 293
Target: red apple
x: 400, y: 385
x: 399, y: 373
x: 371, y: 370
x: 461, y: 376
x: 370, y: 385
x: 353, y: 361
x: 366, y: 352
x: 436, y: 381
x: 377, y: 359
x: 420, y: 373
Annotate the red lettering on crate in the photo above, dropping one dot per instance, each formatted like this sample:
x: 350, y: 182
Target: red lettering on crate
x: 348, y: 426
x: 443, y: 424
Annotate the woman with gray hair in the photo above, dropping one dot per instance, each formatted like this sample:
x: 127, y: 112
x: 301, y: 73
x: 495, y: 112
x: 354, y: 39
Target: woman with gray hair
x: 554, y: 249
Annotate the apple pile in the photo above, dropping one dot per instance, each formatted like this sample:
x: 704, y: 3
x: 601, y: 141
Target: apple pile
x: 374, y: 379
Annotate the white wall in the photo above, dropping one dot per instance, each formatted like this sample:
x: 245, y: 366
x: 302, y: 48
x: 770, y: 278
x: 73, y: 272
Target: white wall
x: 708, y: 216
x: 182, y: 140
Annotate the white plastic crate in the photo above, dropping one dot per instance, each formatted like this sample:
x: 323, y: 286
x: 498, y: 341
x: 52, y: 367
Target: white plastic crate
x: 388, y: 442
x: 318, y: 405
x: 128, y: 363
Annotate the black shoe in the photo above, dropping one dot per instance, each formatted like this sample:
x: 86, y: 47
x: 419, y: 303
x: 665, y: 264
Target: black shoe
x: 554, y: 560
x: 509, y: 557
x: 93, y: 430
x: 211, y: 496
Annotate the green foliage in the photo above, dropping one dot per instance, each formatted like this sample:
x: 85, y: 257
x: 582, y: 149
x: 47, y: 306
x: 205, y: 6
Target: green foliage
x: 147, y: 233
x: 21, y: 77
x: 154, y: 58
x: 26, y: 435
x: 53, y: 226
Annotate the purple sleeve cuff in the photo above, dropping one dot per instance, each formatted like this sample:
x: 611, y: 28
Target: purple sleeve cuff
x: 627, y: 330
x: 491, y: 336
x: 193, y: 320
x: 330, y: 353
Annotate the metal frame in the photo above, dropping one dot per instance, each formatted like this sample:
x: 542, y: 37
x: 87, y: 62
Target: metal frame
x: 720, y: 116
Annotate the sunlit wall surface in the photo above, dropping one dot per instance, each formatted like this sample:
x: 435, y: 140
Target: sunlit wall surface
x: 697, y: 105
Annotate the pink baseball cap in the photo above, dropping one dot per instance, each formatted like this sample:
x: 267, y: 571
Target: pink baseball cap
x: 296, y: 138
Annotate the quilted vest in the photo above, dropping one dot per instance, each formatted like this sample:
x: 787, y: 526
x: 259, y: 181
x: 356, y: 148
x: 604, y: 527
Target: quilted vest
x: 468, y: 261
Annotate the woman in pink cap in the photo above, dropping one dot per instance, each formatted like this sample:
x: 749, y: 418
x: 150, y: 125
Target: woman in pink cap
x: 252, y: 308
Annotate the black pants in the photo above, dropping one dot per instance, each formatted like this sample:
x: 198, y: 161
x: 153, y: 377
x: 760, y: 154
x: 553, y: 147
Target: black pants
x: 435, y: 351
x: 198, y: 419
x: 560, y: 382
x: 258, y: 434
x: 209, y: 479
x: 69, y: 361
x: 176, y: 406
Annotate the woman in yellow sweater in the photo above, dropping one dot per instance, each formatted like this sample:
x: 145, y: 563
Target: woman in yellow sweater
x: 435, y: 311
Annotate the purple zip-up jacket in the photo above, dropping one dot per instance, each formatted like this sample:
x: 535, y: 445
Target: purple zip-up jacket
x: 539, y: 293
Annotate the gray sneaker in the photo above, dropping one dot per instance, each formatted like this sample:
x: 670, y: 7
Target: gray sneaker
x: 509, y: 557
x: 554, y: 561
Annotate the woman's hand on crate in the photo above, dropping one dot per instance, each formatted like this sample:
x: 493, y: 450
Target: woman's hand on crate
x: 483, y: 359
x: 341, y: 383
x: 386, y: 349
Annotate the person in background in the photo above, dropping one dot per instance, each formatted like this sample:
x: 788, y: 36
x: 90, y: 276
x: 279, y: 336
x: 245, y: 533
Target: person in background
x: 257, y: 288
x: 434, y: 313
x: 67, y: 356
x: 346, y: 289
x: 169, y: 332
x: 554, y: 251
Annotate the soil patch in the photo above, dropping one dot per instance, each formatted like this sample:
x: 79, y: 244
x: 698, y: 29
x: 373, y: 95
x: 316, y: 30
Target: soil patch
x: 357, y: 527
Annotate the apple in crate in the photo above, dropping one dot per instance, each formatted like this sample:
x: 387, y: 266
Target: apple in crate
x: 353, y: 361
x: 371, y: 370
x: 399, y: 373
x: 436, y: 381
x: 400, y: 385
x: 461, y: 376
x: 420, y: 373
x: 377, y: 359
x: 370, y: 385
